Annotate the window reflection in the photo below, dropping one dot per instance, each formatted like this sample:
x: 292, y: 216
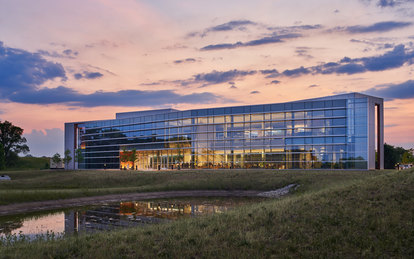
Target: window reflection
x: 315, y: 133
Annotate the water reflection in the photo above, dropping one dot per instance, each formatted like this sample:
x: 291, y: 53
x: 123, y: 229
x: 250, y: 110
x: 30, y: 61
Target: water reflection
x: 112, y: 216
x: 34, y: 225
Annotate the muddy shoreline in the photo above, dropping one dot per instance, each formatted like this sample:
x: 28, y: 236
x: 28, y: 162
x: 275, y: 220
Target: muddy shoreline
x: 24, y: 207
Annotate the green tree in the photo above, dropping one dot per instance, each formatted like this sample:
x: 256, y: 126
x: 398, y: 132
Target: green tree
x: 124, y: 155
x: 12, y: 141
x: 79, y: 158
x: 133, y: 155
x: 407, y: 158
x: 67, y: 158
x: 392, y: 156
x: 2, y: 160
x: 56, y: 159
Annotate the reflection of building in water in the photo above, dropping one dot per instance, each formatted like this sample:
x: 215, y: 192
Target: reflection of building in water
x: 128, y: 214
x: 168, y: 210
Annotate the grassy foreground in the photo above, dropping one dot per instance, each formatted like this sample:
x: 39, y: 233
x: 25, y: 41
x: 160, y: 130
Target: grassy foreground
x: 58, y: 184
x: 369, y: 217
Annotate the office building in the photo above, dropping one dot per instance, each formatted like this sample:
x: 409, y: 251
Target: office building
x: 335, y: 132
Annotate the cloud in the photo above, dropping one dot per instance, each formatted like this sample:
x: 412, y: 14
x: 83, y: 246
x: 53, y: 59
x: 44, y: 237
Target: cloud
x: 217, y: 77
x: 22, y: 74
x: 22, y: 70
x: 254, y: 92
x: 70, y: 52
x: 68, y: 96
x: 237, y: 24
x: 67, y: 53
x: 228, y: 26
x: 150, y: 84
x: 296, y: 72
x: 377, y: 27
x: 386, y: 3
x: 261, y: 41
x: 292, y: 29
x: 312, y: 86
x: 242, y: 25
x: 275, y: 82
x: 269, y: 71
x: 45, y: 143
x: 303, y: 52
x: 394, y: 58
x: 88, y: 75
x: 377, y: 45
x: 187, y: 60
x: 392, y: 3
x: 348, y: 69
x: 206, y: 79
x: 390, y: 92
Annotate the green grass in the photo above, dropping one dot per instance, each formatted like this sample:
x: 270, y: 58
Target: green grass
x: 331, y: 215
x: 58, y: 184
x: 30, y: 163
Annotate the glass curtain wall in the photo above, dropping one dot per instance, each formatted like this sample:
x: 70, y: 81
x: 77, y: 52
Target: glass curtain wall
x: 298, y: 135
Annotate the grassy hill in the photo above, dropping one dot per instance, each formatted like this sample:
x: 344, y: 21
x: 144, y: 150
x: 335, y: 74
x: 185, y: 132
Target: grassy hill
x: 344, y: 217
x: 31, y: 163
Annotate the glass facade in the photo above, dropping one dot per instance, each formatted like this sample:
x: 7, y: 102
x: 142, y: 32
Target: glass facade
x: 311, y: 134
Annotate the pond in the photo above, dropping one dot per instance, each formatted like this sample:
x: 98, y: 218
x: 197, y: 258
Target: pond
x: 112, y: 216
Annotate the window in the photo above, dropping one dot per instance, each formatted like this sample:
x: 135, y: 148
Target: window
x: 238, y: 118
x: 318, y: 123
x: 278, y: 124
x: 339, y: 131
x: 219, y: 119
x: 338, y: 103
x: 299, y: 115
x: 341, y: 112
x: 339, y: 140
x: 318, y: 114
x: 338, y: 122
x: 298, y: 106
x: 256, y: 117
x: 278, y: 116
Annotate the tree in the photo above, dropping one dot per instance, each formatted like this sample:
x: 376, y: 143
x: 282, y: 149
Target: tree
x: 79, y: 156
x: 133, y: 155
x: 2, y: 160
x: 407, y: 157
x: 12, y: 141
x: 56, y: 159
x: 394, y: 155
x: 67, y: 158
x: 124, y: 155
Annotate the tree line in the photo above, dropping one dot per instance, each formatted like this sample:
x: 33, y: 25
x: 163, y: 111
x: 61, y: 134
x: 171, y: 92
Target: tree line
x: 57, y: 159
x: 396, y: 155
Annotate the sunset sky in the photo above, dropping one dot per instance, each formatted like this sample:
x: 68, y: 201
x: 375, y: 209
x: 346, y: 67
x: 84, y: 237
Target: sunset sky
x: 64, y: 61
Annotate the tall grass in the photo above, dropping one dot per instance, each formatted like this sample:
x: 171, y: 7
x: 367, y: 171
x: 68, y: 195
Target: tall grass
x: 352, y: 217
x: 58, y: 184
x: 30, y: 163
